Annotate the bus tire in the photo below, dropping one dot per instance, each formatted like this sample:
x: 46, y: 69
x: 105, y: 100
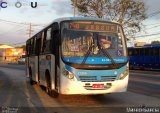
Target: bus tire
x: 54, y: 94
x: 49, y: 91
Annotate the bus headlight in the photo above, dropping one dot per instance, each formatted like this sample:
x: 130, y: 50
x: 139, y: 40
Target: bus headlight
x: 65, y: 72
x: 71, y: 75
x: 68, y: 74
x: 124, y: 74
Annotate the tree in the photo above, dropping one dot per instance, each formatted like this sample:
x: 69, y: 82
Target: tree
x: 155, y: 42
x: 129, y: 13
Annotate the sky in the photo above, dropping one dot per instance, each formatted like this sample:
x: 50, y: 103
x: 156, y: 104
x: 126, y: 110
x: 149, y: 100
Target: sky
x: 14, y: 22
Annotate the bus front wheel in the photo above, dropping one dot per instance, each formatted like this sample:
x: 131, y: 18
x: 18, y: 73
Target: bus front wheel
x: 49, y: 90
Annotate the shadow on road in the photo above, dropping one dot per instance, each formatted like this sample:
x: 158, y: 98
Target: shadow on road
x: 17, y: 93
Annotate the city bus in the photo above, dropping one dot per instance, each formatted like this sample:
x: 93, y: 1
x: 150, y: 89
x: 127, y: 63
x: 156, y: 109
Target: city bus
x: 146, y: 57
x: 78, y: 55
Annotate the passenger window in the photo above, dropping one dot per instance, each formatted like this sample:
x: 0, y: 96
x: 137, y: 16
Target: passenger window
x: 130, y: 52
x: 141, y: 51
x: 48, y: 37
x: 38, y: 43
x: 151, y: 52
x: 43, y: 44
x: 146, y: 52
x: 47, y: 41
x: 31, y: 46
x: 135, y: 52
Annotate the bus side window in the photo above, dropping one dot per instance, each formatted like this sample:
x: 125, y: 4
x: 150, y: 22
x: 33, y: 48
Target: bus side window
x: 135, y: 52
x: 150, y: 51
x: 34, y: 45
x: 38, y: 43
x: 130, y: 52
x: 47, y: 41
x: 42, y: 42
x: 31, y: 47
x: 156, y: 51
x: 141, y: 51
x: 27, y: 47
x: 146, y: 52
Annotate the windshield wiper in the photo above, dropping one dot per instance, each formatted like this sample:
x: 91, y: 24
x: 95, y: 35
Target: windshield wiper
x: 101, y: 48
x: 106, y: 53
x: 88, y: 52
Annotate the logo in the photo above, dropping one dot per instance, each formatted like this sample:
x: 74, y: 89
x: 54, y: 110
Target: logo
x: 17, y: 4
x: 3, y: 4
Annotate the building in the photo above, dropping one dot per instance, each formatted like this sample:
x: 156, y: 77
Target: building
x: 140, y: 43
x: 9, y: 53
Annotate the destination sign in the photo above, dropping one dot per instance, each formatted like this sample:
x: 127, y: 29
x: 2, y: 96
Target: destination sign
x: 93, y: 27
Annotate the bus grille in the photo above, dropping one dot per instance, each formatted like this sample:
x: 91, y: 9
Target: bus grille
x: 95, y: 79
x: 87, y: 78
x: 108, y: 78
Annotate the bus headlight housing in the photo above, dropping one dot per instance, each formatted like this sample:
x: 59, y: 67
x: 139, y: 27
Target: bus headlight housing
x: 124, y: 74
x: 67, y: 74
x: 71, y: 75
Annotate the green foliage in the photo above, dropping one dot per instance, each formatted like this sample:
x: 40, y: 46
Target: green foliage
x: 155, y: 42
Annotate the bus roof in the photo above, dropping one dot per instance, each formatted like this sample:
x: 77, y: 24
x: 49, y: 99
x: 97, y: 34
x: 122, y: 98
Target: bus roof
x: 145, y: 46
x: 80, y: 18
x: 76, y: 18
x: 152, y: 45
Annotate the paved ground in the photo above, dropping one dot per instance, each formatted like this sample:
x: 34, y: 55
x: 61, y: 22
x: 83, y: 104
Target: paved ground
x: 15, y: 91
x: 145, y: 82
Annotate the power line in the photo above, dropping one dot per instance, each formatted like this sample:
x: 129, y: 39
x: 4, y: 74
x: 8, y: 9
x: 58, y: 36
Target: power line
x: 154, y: 14
x: 147, y: 35
x: 156, y: 38
x: 152, y: 24
x: 43, y: 25
x: 17, y: 43
x: 12, y: 22
x: 153, y: 27
x: 12, y: 30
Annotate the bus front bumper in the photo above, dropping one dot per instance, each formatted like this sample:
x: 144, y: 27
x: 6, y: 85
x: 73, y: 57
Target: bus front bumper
x: 91, y: 88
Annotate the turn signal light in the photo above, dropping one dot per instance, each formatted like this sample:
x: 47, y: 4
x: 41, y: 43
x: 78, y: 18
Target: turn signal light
x: 124, y: 74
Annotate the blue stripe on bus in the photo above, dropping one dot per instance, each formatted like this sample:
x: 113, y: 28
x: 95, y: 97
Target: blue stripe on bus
x: 97, y: 73
x: 88, y: 18
x: 94, y: 60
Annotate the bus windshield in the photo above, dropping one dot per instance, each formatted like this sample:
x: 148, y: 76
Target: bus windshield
x: 92, y: 43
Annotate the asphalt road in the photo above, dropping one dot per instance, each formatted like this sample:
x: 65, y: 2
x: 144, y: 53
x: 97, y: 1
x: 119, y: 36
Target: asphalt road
x: 145, y: 82
x: 18, y: 94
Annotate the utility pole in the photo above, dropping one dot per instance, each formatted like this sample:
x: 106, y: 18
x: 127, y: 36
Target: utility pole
x: 30, y: 30
x: 75, y: 1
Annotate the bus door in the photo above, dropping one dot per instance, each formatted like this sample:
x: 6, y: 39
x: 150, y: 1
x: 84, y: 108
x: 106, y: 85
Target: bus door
x: 55, y: 49
x: 27, y: 57
x: 42, y: 58
x: 38, y: 49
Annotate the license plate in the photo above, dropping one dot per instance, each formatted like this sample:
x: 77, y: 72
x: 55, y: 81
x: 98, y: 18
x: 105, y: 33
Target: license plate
x: 98, y: 86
